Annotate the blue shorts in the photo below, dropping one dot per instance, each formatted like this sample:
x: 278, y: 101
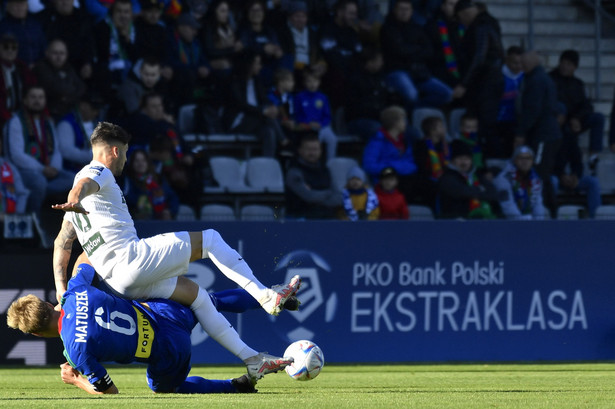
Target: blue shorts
x: 169, y: 362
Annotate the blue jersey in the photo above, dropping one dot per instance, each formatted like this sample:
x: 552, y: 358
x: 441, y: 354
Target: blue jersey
x: 99, y: 327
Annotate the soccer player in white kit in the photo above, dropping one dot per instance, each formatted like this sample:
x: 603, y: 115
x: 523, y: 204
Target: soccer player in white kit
x: 97, y: 215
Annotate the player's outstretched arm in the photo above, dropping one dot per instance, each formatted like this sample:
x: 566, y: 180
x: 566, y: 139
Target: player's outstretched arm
x: 62, y: 249
x: 72, y: 377
x: 83, y: 188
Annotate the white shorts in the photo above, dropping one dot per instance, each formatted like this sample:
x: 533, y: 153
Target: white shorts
x: 148, y: 268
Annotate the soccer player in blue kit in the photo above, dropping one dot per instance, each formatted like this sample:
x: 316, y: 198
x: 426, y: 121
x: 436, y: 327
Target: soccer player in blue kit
x: 96, y: 327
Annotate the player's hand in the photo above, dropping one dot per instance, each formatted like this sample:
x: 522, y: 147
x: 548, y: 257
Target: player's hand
x: 69, y: 374
x: 70, y: 207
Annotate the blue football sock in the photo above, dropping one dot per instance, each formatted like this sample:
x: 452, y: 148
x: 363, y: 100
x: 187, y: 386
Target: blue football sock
x: 236, y: 300
x: 196, y: 384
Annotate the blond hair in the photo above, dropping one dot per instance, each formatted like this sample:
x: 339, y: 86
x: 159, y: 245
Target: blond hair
x: 29, y: 314
x: 391, y: 115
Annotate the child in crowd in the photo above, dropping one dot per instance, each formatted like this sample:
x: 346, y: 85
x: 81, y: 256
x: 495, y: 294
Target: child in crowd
x: 360, y: 201
x: 392, y: 203
x: 468, y: 129
x: 313, y: 112
x: 281, y: 95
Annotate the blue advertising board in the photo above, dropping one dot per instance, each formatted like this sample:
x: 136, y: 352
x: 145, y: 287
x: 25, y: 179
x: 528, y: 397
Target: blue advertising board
x: 425, y: 291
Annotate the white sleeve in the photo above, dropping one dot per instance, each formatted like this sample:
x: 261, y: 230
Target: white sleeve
x: 17, y: 147
x: 97, y: 173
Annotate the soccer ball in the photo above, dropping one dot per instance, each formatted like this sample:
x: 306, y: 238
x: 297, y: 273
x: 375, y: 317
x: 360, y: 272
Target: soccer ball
x: 309, y: 360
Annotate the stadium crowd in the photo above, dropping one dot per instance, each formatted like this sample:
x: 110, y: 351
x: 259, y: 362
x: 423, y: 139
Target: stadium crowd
x: 500, y: 141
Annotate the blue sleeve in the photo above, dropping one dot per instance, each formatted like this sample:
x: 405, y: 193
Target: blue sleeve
x: 85, y: 275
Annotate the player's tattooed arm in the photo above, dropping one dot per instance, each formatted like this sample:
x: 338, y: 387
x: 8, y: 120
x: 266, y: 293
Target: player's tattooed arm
x: 62, y: 249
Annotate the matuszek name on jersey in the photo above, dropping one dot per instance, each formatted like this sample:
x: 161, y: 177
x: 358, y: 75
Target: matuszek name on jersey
x: 81, y: 316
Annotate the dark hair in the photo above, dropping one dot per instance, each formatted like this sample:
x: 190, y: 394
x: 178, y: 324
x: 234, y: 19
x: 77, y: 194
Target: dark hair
x: 281, y: 74
x: 31, y: 87
x: 130, y: 171
x: 108, y: 133
x: 514, y: 50
x: 308, y: 136
x: 150, y: 95
x: 369, y: 53
x: 341, y: 4
x: 570, y: 55
x: 116, y: 2
x: 429, y: 124
x: 467, y: 116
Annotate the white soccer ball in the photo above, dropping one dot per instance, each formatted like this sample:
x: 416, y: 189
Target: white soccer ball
x: 309, y: 360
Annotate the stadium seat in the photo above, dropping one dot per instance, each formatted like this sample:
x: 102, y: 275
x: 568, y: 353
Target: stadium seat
x: 257, y: 213
x: 419, y: 114
x: 420, y: 212
x: 569, y: 212
x: 217, y: 212
x: 185, y: 120
x: 605, y: 212
x: 454, y: 121
x: 265, y: 174
x: 229, y: 174
x: 606, y: 174
x: 185, y: 213
x: 339, y: 168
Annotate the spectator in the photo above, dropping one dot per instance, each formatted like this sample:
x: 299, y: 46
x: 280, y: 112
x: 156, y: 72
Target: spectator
x: 147, y: 197
x: 73, y: 26
x: 390, y: 148
x: 578, y: 114
x: 249, y: 110
x: 341, y: 47
x: 313, y: 112
x: 612, y: 126
x: 537, y: 124
x: 368, y: 96
x: 507, y: 114
x: 186, y: 58
x: 26, y: 29
x: 34, y: 148
x: 261, y: 39
x: 63, y: 86
x: 75, y: 129
x: 15, y: 78
x: 407, y: 51
x: 13, y: 192
x: 116, y: 49
x: 150, y: 32
x: 432, y: 153
x: 151, y: 119
x: 281, y: 95
x: 220, y: 40
x: 309, y: 191
x: 360, y: 201
x: 446, y: 33
x: 481, y: 82
x: 424, y: 10
x: 523, y: 187
x: 570, y: 178
x: 144, y: 78
x: 300, y: 43
x: 100, y: 9
x: 463, y: 193
x: 468, y: 133
x: 392, y: 203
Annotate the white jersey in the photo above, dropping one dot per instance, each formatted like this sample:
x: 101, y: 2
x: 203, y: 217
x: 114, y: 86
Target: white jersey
x: 108, y: 229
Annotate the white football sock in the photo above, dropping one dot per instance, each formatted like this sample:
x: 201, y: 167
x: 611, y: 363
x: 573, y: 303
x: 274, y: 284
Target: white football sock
x: 231, y: 263
x: 218, y: 327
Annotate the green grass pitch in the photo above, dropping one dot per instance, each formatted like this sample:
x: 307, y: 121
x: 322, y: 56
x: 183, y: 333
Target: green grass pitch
x: 582, y: 385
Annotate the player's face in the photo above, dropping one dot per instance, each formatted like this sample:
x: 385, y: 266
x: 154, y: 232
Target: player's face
x: 120, y: 161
